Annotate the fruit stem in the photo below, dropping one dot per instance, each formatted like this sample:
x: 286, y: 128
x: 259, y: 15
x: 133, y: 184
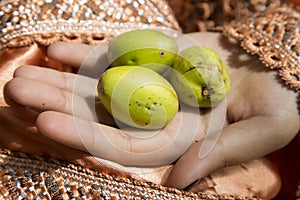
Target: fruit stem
x: 207, y: 91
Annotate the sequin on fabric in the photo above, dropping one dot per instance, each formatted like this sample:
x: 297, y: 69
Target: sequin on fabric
x: 24, y: 176
x: 274, y: 36
x: 92, y: 22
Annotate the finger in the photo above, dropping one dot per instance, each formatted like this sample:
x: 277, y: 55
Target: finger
x: 42, y: 97
x: 69, y: 53
x: 126, y: 147
x: 81, y: 85
x: 52, y: 124
x: 239, y: 142
x: 64, y: 129
x: 38, y: 95
x: 89, y: 59
x: 52, y: 77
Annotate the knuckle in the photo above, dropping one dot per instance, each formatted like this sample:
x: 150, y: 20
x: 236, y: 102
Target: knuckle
x: 229, y: 155
x: 63, y: 101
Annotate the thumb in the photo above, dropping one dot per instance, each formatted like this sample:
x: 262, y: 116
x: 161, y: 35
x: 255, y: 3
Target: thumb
x: 236, y: 143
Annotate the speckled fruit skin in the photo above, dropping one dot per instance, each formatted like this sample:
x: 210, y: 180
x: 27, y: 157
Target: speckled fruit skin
x: 200, y: 77
x: 138, y: 96
x: 146, y: 47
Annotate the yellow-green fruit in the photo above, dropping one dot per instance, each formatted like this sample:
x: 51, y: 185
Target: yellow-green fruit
x: 200, y: 77
x: 138, y: 96
x: 143, y: 47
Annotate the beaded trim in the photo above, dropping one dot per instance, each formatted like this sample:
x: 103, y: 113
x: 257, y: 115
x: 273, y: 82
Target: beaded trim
x: 274, y: 36
x: 88, y: 21
x: 24, y: 176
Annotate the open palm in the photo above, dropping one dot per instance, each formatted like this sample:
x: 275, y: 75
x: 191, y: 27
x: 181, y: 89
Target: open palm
x: 259, y: 116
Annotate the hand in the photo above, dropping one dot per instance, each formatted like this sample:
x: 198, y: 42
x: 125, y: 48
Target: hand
x: 262, y: 116
x: 256, y: 124
x: 17, y: 122
x: 57, y: 97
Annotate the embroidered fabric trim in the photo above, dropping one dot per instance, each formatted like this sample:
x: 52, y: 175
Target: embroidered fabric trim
x: 274, y: 36
x: 25, y: 176
x: 92, y: 22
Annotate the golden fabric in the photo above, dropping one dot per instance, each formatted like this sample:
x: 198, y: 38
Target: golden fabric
x: 92, y: 22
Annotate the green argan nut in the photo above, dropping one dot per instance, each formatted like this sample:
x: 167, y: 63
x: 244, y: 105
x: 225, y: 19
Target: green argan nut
x: 146, y: 47
x: 200, y: 77
x: 138, y: 96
